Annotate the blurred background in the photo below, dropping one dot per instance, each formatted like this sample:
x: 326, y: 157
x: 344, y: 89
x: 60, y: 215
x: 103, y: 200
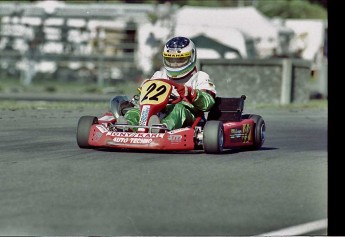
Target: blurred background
x: 274, y: 50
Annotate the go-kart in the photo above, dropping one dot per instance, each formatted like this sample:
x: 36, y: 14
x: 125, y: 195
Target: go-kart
x: 223, y: 127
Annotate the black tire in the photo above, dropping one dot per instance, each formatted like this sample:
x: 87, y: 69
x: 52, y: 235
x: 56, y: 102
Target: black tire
x: 213, y: 137
x: 245, y: 116
x: 259, y: 131
x: 83, y: 130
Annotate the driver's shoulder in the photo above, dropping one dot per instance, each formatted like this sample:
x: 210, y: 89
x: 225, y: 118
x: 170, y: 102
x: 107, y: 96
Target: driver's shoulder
x: 201, y: 75
x: 159, y: 75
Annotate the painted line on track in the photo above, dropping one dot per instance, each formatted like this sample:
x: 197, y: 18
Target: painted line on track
x: 300, y: 229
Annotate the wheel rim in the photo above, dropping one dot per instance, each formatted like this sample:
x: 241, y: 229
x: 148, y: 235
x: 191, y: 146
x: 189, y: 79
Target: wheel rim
x: 262, y: 132
x: 221, y: 139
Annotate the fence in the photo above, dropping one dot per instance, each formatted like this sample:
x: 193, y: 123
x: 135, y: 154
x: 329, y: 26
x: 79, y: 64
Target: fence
x: 81, y: 41
x: 278, y: 81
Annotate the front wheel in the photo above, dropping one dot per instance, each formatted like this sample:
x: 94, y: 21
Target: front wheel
x: 83, y: 130
x: 213, y: 137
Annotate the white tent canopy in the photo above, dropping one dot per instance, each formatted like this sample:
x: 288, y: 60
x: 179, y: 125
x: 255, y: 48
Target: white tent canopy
x: 247, y: 20
x: 232, y: 37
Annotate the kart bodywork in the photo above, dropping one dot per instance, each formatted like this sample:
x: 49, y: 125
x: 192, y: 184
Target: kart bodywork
x: 224, y: 127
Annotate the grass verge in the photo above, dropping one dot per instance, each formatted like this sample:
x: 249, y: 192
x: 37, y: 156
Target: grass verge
x: 16, y: 105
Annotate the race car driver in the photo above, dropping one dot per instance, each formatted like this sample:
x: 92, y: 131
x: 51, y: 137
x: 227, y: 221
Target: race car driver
x: 179, y: 59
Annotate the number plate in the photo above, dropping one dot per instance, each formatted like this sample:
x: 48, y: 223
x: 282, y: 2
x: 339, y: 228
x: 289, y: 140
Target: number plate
x: 154, y: 92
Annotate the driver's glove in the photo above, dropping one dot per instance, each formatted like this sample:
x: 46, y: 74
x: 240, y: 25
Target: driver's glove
x: 185, y: 91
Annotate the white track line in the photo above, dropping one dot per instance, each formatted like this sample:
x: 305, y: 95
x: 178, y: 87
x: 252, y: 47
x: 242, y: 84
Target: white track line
x: 299, y: 229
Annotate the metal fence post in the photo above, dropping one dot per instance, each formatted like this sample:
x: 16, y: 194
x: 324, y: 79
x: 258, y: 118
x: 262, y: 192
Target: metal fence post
x: 323, y: 80
x: 286, y: 86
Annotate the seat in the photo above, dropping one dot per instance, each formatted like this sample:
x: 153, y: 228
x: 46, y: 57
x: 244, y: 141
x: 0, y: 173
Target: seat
x: 227, y: 109
x: 119, y: 105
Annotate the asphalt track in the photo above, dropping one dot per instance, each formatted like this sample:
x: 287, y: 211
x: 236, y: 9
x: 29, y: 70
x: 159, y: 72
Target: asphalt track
x: 49, y: 186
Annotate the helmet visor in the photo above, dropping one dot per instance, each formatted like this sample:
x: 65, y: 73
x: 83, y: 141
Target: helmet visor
x: 176, y: 62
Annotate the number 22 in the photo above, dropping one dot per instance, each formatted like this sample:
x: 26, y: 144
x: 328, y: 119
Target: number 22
x: 160, y: 90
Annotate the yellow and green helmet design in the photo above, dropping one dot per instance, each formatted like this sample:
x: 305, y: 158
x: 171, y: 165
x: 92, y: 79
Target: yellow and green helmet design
x: 179, y: 57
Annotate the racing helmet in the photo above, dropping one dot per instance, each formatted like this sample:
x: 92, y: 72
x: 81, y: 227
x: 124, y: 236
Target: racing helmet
x: 179, y: 57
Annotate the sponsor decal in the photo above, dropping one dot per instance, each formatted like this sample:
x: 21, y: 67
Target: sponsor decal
x: 140, y: 140
x: 125, y: 140
x: 246, y: 133
x: 236, y: 135
x: 101, y: 128
x: 175, y: 138
x: 107, y: 118
x: 144, y: 114
x: 240, y: 134
x: 176, y: 55
x: 139, y: 135
x: 120, y: 139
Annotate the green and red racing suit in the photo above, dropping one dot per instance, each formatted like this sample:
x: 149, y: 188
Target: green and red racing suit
x: 183, y: 113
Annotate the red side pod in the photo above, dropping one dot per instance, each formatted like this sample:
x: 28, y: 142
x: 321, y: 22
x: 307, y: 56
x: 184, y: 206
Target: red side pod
x: 97, y: 135
x: 238, y: 134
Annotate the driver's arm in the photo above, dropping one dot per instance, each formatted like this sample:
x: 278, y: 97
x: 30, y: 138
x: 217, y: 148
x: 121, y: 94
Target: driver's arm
x: 204, y: 100
x: 206, y: 92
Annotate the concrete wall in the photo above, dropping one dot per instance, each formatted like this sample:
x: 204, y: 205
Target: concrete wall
x: 277, y: 81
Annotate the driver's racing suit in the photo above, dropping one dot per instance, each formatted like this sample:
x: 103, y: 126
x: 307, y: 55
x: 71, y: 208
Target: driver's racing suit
x: 183, y: 113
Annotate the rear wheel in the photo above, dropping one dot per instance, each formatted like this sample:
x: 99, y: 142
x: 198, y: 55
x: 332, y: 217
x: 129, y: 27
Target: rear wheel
x: 83, y: 130
x: 213, y: 137
x: 259, y: 131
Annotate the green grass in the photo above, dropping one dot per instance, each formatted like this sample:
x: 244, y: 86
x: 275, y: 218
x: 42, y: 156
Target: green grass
x: 40, y: 105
